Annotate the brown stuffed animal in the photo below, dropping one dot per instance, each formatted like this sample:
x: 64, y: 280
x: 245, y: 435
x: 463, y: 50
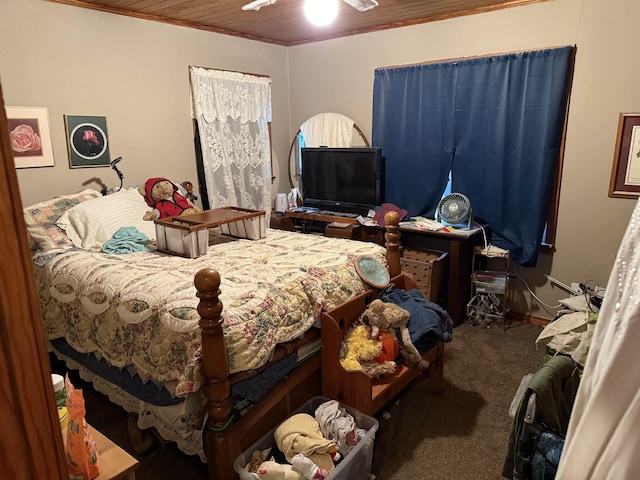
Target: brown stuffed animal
x: 389, y: 316
x: 163, y: 196
x: 255, y: 461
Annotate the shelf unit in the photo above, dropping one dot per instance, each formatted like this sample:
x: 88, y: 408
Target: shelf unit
x: 488, y: 303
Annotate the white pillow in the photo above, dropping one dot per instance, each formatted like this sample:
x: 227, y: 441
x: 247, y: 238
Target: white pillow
x: 92, y: 223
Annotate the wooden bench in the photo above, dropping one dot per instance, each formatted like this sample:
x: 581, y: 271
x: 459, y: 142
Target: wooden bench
x: 357, y: 389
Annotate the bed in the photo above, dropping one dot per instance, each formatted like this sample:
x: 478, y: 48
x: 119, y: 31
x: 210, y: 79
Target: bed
x: 158, y: 319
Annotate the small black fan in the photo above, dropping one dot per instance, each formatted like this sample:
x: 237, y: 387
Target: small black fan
x: 454, y: 209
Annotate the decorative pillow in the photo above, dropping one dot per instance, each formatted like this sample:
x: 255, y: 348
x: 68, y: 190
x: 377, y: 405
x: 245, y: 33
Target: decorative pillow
x: 90, y: 224
x: 41, y: 218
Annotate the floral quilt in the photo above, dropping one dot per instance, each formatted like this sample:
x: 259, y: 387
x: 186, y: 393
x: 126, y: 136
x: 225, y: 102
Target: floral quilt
x: 138, y: 311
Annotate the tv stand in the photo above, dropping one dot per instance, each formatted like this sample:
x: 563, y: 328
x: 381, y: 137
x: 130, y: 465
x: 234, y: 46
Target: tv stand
x: 330, y: 225
x: 321, y: 216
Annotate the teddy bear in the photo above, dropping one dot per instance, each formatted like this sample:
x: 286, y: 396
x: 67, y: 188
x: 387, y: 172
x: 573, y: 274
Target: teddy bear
x: 165, y: 198
x: 389, y: 316
x: 272, y: 470
x: 364, y: 353
x: 302, y: 468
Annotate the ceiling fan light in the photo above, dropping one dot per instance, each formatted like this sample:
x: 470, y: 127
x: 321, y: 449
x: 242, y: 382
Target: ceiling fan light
x: 362, y: 5
x: 258, y: 4
x: 321, y: 12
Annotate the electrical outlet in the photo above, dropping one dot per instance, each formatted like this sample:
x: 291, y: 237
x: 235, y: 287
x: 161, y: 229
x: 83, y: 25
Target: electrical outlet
x: 575, y: 286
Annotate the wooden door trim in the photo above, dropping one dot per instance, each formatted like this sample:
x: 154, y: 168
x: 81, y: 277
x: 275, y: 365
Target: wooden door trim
x: 31, y: 443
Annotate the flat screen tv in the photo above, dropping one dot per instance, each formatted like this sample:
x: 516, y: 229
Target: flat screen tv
x: 348, y: 180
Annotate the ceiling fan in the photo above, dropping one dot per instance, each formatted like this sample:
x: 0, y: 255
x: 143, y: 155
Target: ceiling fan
x: 360, y: 5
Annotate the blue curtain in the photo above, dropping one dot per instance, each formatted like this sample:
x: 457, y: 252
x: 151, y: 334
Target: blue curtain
x: 495, y: 123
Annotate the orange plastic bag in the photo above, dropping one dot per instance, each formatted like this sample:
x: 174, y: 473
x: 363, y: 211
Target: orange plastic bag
x: 81, y: 450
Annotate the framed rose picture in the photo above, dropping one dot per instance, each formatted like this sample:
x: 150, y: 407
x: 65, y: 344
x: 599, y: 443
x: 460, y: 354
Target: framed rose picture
x: 87, y: 141
x: 625, y: 173
x: 29, y: 136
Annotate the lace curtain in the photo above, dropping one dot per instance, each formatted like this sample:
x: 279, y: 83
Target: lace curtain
x: 233, y: 111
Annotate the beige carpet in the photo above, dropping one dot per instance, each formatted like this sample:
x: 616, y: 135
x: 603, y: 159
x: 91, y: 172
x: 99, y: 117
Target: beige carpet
x: 461, y: 433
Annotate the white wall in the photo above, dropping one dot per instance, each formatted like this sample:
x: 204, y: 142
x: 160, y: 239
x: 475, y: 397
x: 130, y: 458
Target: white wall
x: 338, y: 75
x: 134, y: 72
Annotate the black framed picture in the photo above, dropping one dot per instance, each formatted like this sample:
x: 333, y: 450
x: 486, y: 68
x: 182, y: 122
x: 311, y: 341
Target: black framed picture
x: 87, y: 141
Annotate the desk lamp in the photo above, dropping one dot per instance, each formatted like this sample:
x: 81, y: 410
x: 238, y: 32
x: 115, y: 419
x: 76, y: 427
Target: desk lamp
x: 114, y: 165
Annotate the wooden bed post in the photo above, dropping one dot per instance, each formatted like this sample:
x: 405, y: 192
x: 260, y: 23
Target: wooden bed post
x: 224, y: 438
x: 392, y: 237
x: 215, y: 369
x: 215, y: 366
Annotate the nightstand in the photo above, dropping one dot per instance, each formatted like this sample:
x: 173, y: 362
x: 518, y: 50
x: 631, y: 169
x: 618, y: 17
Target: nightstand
x: 281, y: 222
x: 342, y: 230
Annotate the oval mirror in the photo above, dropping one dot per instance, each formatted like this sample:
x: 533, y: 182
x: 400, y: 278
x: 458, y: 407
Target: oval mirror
x: 324, y: 129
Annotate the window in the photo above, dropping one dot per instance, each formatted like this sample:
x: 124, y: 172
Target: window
x: 493, y: 126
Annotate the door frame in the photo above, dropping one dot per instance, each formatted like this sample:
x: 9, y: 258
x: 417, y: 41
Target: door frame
x: 31, y: 444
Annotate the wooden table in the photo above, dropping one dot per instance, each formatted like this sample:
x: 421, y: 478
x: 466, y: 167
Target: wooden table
x: 210, y: 218
x: 459, y: 244
x: 115, y: 463
x: 188, y: 235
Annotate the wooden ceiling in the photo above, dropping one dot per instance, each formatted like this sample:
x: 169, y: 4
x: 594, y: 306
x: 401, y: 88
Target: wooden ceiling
x: 283, y: 23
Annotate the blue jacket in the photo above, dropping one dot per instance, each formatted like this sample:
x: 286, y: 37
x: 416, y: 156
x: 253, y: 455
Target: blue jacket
x: 429, y: 322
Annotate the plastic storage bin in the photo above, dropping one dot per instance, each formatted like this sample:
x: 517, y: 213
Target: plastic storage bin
x: 182, y: 242
x: 251, y: 228
x: 485, y: 281
x: 356, y: 465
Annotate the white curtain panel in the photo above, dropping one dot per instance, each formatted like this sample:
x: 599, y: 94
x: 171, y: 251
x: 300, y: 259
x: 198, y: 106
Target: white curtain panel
x: 328, y: 129
x: 233, y: 111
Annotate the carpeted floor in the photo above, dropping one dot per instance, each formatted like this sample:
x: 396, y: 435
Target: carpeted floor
x: 460, y: 433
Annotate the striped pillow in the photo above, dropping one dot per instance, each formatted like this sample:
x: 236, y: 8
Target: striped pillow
x: 91, y: 224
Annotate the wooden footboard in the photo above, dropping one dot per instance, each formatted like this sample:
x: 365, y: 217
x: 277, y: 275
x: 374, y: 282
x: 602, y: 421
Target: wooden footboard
x: 224, y: 438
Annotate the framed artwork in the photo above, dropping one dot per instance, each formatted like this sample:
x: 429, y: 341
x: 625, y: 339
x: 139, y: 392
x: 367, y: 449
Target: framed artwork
x: 87, y: 141
x: 30, y: 137
x: 625, y: 173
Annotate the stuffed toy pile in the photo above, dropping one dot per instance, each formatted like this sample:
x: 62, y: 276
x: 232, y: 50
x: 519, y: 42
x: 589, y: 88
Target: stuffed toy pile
x: 312, y: 444
x: 366, y: 354
x: 373, y: 343
x: 386, y: 316
x: 165, y: 198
